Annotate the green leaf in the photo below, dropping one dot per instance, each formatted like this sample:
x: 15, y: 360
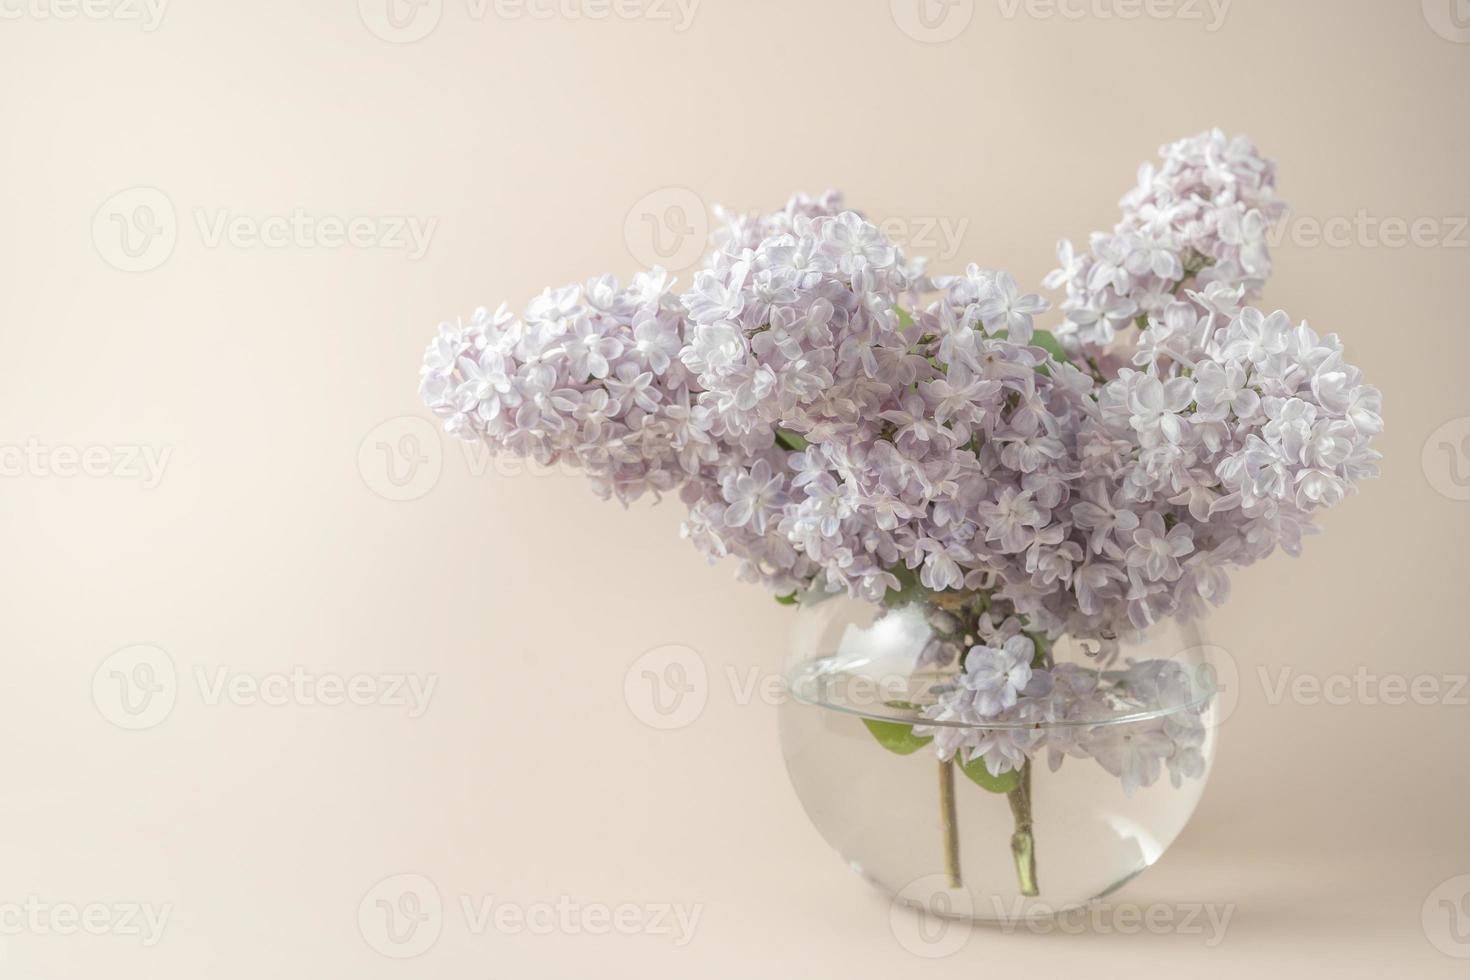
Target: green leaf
x: 981, y: 776
x: 895, y: 736
x: 786, y: 600
x: 790, y: 440
x: 1049, y: 343
x: 1043, y: 647
x: 908, y: 589
x: 904, y: 320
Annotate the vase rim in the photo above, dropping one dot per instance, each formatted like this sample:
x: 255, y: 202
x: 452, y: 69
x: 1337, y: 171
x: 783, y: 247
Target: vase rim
x: 859, y: 687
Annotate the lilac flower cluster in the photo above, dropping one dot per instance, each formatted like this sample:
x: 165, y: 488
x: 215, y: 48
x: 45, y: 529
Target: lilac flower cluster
x: 1008, y: 705
x: 1204, y: 214
x: 836, y: 419
x: 590, y: 376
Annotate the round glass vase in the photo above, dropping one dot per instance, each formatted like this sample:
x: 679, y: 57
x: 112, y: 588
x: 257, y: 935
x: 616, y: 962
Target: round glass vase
x: 1103, y: 791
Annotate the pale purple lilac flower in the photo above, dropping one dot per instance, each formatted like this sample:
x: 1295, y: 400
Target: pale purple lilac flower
x: 836, y: 419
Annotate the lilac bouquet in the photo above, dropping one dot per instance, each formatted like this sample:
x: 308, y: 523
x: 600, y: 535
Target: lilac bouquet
x: 838, y: 419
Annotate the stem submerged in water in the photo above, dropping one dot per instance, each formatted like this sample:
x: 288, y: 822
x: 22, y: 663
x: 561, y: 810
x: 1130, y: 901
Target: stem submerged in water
x: 1023, y: 842
x: 949, y: 823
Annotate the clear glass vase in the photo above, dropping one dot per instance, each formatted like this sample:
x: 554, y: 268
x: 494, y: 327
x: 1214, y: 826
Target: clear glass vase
x: 1103, y: 790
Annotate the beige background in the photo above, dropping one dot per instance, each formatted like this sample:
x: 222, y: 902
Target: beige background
x: 537, y: 147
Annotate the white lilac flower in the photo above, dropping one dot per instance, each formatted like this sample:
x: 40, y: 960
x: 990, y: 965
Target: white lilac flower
x: 1134, y: 752
x: 1204, y: 214
x: 1002, y: 307
x: 754, y: 496
x: 1002, y: 749
x: 995, y: 677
